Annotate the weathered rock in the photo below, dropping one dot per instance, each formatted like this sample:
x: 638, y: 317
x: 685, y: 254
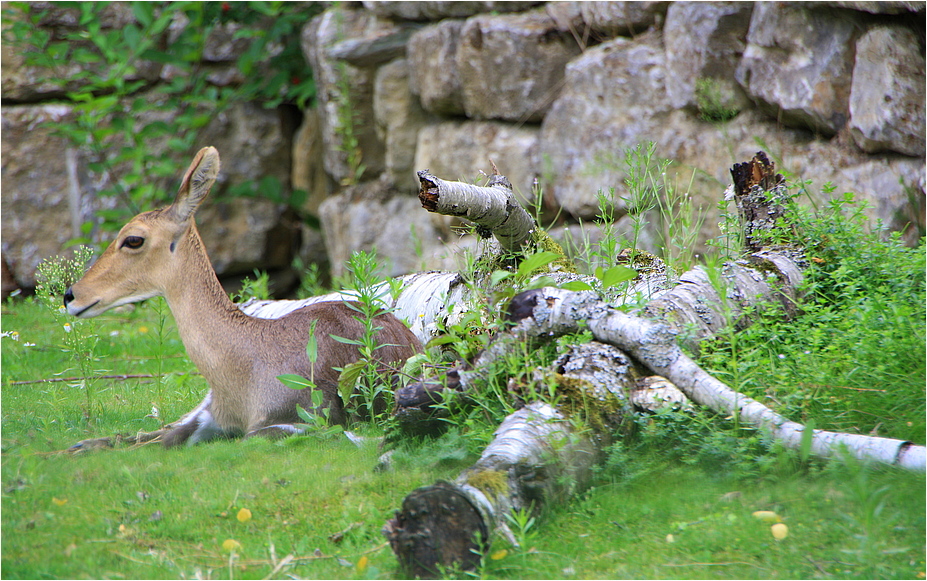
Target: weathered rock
x: 371, y: 51
x: 345, y: 93
x: 243, y: 234
x: 222, y: 45
x: 879, y: 7
x: 461, y: 150
x: 892, y: 186
x: 47, y: 193
x: 20, y: 82
x: 511, y: 66
x: 887, y: 98
x: 597, y: 21
x: 704, y: 42
x: 56, y: 16
x: 584, y: 139
x: 252, y: 144
x: 798, y: 64
x: 433, y: 76
x: 399, y: 118
x: 372, y: 216
x: 622, y: 18
x: 438, y: 9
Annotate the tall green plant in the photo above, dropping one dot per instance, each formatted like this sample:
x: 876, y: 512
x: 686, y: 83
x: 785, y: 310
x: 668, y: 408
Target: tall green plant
x: 361, y: 384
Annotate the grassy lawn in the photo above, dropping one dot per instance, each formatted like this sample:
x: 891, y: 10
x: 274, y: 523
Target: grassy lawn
x: 317, y: 506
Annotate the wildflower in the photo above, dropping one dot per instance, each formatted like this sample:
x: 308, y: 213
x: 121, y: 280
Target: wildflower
x: 67, y: 327
x: 230, y: 545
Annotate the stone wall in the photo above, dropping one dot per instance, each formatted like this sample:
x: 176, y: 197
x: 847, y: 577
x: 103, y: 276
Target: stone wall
x: 552, y: 92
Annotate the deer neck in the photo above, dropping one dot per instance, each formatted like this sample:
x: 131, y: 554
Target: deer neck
x: 214, y: 331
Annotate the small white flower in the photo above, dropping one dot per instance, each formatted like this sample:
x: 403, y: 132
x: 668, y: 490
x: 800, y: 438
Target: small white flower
x: 28, y: 344
x: 114, y: 333
x: 67, y: 327
x: 62, y: 310
x: 781, y: 356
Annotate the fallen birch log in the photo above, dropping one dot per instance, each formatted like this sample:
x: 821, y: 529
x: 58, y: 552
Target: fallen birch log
x: 555, y: 311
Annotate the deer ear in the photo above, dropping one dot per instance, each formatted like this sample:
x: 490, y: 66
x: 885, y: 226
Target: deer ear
x: 196, y: 182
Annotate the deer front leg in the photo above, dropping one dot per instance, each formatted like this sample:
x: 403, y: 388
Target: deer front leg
x: 196, y: 426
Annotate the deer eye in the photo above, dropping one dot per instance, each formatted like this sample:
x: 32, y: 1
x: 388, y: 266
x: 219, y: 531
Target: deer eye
x: 133, y: 242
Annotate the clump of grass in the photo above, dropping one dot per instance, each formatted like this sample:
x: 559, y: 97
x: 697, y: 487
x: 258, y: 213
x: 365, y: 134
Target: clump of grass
x: 715, y: 102
x: 851, y: 358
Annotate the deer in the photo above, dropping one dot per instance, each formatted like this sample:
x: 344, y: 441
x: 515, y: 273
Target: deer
x: 160, y: 253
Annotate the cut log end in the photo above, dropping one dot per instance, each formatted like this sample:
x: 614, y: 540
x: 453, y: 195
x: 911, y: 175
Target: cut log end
x: 522, y: 305
x: 437, y: 528
x: 428, y: 193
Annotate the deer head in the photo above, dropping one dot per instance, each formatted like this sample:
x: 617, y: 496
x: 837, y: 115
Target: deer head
x: 146, y: 257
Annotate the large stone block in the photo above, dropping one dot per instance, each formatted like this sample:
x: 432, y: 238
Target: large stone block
x: 399, y: 118
x: 877, y: 7
x: 455, y: 150
x: 439, y: 9
x: 511, y: 66
x: 433, y: 76
x: 614, y: 98
x: 621, y: 18
x: 704, y: 42
x: 591, y: 22
x: 887, y: 99
x: 798, y: 64
x: 373, y: 216
x: 345, y: 92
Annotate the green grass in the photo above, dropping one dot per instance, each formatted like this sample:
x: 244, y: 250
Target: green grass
x: 152, y: 513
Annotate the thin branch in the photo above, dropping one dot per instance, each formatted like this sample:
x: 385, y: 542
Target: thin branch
x: 63, y: 379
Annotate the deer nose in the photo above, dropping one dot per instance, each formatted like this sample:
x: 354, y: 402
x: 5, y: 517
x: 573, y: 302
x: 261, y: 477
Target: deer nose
x: 68, y: 296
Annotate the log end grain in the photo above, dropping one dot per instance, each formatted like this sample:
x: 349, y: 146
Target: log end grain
x: 437, y: 528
